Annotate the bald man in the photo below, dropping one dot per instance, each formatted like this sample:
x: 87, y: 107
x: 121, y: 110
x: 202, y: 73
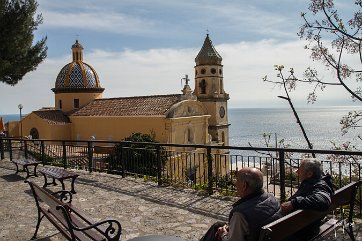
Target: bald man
x: 254, y: 209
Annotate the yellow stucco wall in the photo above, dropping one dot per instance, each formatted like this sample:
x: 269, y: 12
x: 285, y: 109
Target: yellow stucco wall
x: 68, y: 100
x: 46, y: 130
x: 188, y: 130
x: 117, y: 128
x: 213, y: 110
x: 13, y: 128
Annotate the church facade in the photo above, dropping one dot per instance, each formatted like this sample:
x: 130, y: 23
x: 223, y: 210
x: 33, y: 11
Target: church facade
x: 80, y: 112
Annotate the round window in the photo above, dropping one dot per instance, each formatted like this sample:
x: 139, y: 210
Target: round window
x: 213, y: 71
x: 203, y: 71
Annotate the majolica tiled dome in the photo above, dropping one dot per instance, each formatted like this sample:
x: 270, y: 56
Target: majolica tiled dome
x: 77, y: 75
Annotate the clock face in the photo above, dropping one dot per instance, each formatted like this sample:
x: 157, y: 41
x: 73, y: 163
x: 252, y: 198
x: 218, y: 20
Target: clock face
x: 222, y: 112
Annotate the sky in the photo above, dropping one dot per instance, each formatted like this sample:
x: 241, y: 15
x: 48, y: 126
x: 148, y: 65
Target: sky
x: 141, y: 47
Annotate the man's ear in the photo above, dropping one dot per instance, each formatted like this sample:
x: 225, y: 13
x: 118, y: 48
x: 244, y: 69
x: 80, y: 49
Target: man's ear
x: 309, y: 174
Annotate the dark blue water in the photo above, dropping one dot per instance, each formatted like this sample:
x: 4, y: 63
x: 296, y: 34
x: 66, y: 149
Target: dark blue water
x: 321, y: 125
x: 248, y: 125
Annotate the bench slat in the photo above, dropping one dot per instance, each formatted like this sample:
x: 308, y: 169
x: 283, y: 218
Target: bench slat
x: 41, y: 194
x: 87, y: 235
x: 57, y: 172
x: 25, y: 161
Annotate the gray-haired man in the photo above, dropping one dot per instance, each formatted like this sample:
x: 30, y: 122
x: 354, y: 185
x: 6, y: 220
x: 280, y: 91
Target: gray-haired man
x: 314, y: 193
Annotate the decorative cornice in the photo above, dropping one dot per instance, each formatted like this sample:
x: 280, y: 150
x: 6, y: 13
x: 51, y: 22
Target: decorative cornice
x: 77, y: 90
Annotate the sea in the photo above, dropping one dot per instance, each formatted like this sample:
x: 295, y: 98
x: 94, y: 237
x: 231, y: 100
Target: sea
x: 258, y: 126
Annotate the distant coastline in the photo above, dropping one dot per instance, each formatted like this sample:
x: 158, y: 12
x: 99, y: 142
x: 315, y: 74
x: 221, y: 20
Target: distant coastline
x: 12, y: 117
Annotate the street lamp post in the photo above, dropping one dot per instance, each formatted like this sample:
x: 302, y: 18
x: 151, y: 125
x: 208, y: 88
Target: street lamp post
x: 20, y: 106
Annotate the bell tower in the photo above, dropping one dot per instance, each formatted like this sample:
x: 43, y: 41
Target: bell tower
x: 209, y: 89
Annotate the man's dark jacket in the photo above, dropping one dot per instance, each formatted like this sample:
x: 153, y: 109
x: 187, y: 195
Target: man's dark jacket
x: 258, y: 210
x: 315, y: 194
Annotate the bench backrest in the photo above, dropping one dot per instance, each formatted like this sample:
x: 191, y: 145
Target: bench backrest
x: 293, y: 222
x: 49, y: 205
x: 103, y: 150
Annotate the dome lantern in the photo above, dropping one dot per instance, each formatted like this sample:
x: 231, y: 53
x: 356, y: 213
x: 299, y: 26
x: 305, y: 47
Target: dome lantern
x: 77, y: 50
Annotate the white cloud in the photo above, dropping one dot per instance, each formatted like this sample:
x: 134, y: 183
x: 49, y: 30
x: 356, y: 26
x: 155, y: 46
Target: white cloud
x: 99, y: 21
x: 162, y: 18
x: 159, y: 71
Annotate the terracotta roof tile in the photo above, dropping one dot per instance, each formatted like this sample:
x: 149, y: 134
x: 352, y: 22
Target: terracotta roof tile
x: 130, y: 106
x: 53, y: 117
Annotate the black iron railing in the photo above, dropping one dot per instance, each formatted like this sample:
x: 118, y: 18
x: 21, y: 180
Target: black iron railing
x: 203, y: 167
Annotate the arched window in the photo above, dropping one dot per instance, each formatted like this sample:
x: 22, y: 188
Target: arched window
x: 202, y: 86
x: 34, y: 133
x: 189, y: 136
x: 223, y: 138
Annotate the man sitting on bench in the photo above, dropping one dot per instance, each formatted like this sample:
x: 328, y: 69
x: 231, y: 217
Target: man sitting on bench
x: 254, y: 209
x: 314, y: 193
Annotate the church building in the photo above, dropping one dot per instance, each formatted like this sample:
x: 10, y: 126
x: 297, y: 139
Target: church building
x: 81, y: 113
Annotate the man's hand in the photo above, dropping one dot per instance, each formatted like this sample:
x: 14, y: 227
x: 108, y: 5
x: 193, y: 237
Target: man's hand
x: 222, y: 231
x: 286, y: 207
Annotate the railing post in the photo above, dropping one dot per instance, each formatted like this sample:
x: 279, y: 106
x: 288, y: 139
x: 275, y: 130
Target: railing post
x: 209, y: 170
x: 282, y: 175
x: 2, y: 148
x: 90, y: 156
x: 360, y: 189
x: 159, y: 165
x: 26, y: 149
x: 42, y: 152
x: 122, y: 161
x: 64, y: 155
x: 10, y: 150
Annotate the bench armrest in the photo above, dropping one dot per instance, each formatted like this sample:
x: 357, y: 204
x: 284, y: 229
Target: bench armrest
x: 64, y: 196
x: 112, y: 228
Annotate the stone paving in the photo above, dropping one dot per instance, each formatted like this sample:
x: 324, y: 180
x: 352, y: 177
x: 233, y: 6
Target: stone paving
x: 143, y: 208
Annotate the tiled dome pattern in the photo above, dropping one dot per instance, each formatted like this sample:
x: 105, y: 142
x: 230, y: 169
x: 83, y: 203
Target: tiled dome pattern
x: 77, y: 75
x: 90, y: 76
x: 59, y: 83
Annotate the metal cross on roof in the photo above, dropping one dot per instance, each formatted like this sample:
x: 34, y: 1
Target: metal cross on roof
x: 186, y: 79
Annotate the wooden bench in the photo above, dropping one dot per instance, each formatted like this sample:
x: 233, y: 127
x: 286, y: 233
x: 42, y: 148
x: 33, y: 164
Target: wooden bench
x: 71, y: 222
x: 295, y: 221
x: 103, y: 150
x: 26, y: 163
x: 59, y: 174
x: 100, y: 163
